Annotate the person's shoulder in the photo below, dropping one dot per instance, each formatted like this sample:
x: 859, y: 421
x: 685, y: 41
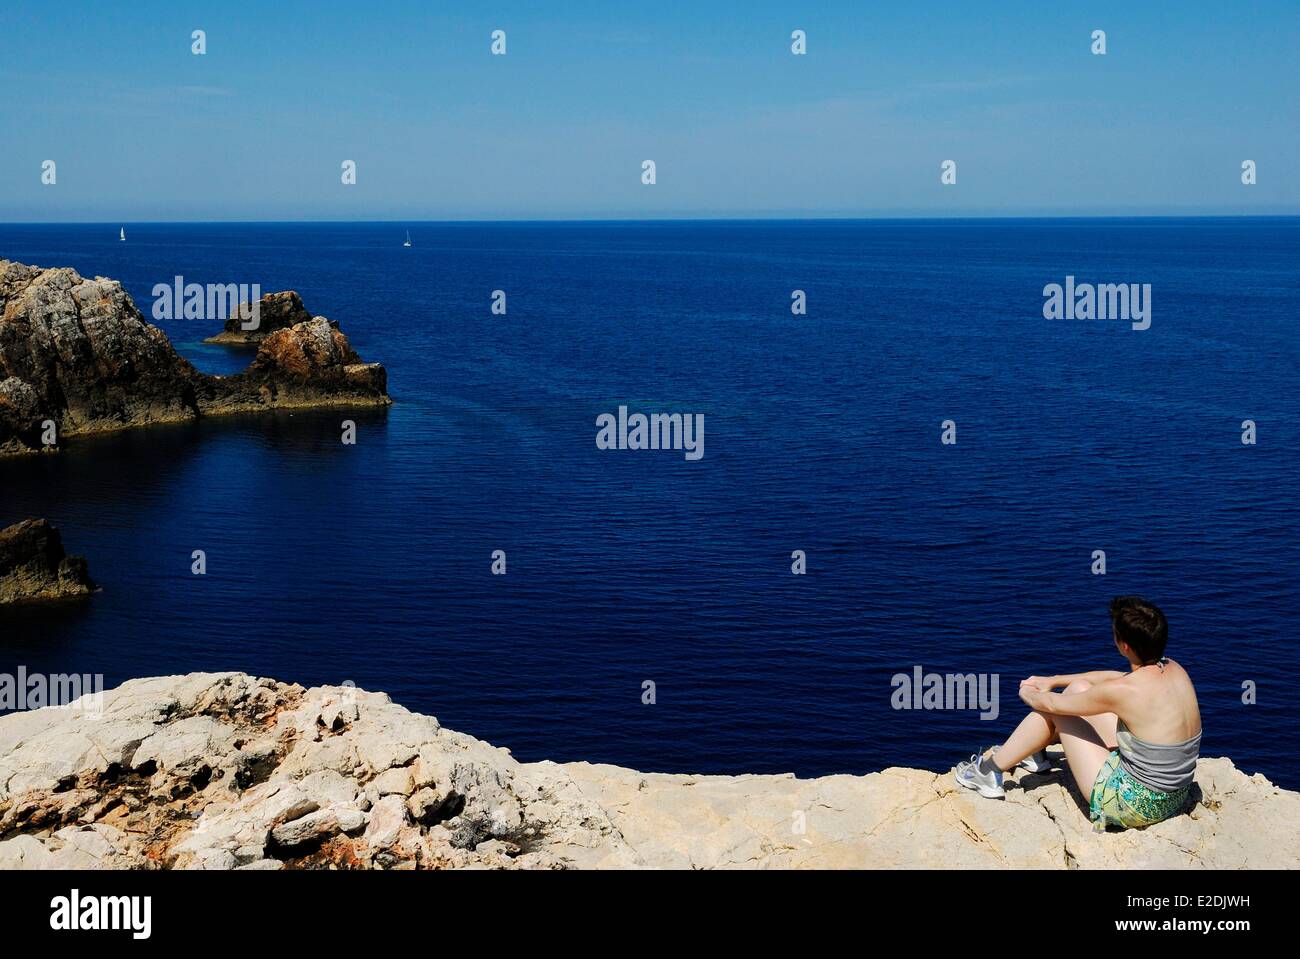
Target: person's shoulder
x: 1172, y: 665
x: 1125, y: 685
x: 1181, y: 672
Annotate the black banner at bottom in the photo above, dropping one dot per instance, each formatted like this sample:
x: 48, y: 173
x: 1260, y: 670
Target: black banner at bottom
x: 882, y: 907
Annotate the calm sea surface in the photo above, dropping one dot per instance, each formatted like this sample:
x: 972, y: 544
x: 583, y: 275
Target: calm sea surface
x: 370, y: 563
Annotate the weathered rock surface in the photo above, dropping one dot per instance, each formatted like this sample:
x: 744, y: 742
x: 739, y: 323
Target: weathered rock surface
x: 276, y: 311
x: 78, y: 353
x: 223, y: 771
x: 34, y: 567
x: 310, y: 364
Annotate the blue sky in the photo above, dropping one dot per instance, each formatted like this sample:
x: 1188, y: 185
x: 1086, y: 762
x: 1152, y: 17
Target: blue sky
x: 141, y: 129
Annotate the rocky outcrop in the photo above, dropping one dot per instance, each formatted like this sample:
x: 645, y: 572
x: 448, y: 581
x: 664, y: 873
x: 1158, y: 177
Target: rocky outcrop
x: 310, y: 364
x: 34, y: 567
x: 229, y: 772
x: 77, y: 356
x: 77, y: 352
x: 275, y: 311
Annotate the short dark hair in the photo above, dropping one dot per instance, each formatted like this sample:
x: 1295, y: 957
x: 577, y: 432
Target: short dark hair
x: 1140, y: 625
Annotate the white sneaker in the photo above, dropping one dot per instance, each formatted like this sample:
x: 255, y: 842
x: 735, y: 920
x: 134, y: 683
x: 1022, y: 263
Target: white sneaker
x: 988, y: 785
x: 1037, y: 763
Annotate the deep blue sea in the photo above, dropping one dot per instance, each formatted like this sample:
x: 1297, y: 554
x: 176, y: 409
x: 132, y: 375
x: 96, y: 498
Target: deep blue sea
x: 371, y: 563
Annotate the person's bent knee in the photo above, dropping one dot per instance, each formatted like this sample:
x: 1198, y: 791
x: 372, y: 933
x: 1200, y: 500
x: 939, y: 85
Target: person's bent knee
x: 1078, y: 686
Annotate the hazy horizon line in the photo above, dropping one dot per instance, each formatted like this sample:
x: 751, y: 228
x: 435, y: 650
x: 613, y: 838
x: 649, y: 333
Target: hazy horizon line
x: 755, y: 218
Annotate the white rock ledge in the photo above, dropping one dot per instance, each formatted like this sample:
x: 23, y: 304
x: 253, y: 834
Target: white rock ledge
x: 225, y: 771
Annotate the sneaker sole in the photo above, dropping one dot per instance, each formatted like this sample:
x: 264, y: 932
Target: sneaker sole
x: 986, y: 792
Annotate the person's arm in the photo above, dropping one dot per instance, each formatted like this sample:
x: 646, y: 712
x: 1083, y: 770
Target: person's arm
x: 1048, y: 683
x: 1104, y: 697
x: 1094, y: 677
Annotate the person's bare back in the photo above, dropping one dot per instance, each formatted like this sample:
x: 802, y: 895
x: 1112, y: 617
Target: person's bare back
x: 1159, y: 703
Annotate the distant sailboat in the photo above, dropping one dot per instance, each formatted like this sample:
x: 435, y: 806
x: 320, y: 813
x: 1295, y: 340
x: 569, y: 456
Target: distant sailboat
x: 121, y: 234
x: 408, y: 238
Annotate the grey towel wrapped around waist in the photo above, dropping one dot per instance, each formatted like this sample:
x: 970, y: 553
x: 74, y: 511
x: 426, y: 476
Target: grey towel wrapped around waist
x: 1161, y: 766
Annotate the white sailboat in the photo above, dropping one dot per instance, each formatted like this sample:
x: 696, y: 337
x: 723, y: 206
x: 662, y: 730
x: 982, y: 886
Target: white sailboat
x: 121, y: 234
x: 408, y: 238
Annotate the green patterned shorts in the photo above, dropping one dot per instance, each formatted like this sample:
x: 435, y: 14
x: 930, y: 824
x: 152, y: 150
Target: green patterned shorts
x: 1120, y: 800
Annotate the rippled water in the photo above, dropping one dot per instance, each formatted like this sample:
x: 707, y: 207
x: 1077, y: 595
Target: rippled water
x: 371, y: 563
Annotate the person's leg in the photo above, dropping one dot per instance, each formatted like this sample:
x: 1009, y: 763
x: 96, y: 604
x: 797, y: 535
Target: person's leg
x: 1084, y: 751
x: 1035, y: 733
x: 1038, y: 730
x: 1104, y: 723
x: 1087, y: 741
x: 984, y: 772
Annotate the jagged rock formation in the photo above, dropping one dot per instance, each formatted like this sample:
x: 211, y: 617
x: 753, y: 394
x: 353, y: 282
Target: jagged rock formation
x: 78, y: 354
x: 310, y: 364
x: 34, y: 567
x: 276, y: 311
x: 226, y: 771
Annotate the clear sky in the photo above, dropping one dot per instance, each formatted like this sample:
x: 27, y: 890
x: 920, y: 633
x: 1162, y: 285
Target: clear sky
x: 142, y: 129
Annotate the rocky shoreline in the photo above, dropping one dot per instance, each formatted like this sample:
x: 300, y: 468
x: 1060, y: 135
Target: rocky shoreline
x: 226, y: 771
x: 77, y: 357
x: 34, y: 567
